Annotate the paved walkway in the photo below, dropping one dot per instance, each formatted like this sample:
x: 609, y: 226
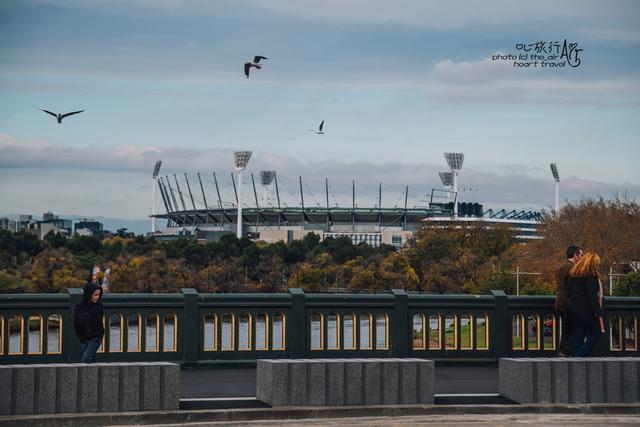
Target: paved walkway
x: 586, y: 420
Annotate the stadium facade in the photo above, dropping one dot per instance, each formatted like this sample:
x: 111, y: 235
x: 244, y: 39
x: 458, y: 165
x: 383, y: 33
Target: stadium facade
x: 374, y: 225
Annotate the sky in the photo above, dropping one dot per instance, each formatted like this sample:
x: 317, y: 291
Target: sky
x: 397, y: 84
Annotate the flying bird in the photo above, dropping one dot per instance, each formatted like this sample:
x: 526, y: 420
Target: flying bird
x: 255, y: 63
x: 59, y: 116
x: 319, y: 131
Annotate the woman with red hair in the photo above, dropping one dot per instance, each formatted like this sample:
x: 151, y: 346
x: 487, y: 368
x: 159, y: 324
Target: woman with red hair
x: 585, y: 304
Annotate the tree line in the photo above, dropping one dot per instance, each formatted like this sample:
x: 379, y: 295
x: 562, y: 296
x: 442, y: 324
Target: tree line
x: 440, y: 258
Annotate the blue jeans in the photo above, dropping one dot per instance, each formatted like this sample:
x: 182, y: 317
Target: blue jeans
x: 89, y: 349
x: 582, y: 342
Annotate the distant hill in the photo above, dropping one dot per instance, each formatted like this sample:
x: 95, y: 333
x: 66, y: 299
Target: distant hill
x: 137, y: 226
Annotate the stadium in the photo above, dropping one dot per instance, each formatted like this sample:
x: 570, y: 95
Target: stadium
x: 270, y: 218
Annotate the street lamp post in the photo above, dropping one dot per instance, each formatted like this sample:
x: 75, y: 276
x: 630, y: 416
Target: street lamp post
x: 241, y: 158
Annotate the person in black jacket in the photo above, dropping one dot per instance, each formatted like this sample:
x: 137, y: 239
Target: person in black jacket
x: 584, y: 304
x: 87, y: 322
x: 562, y: 292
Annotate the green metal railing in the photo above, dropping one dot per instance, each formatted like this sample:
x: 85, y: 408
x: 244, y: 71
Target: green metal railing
x: 194, y: 328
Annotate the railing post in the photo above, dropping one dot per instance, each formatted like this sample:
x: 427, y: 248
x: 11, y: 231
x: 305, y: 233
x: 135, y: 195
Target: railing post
x: 297, y: 326
x: 190, y: 329
x: 501, y: 324
x: 400, y: 341
x: 70, y: 344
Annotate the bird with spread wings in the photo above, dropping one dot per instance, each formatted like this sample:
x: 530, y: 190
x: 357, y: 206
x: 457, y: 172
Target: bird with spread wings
x: 59, y: 116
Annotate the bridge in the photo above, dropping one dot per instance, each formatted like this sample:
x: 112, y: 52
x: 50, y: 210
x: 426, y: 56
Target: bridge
x: 234, y: 330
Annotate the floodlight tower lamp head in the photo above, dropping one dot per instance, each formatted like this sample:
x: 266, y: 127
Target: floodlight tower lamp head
x: 554, y: 172
x: 241, y: 158
x: 454, y: 160
x: 156, y: 168
x: 446, y: 178
x: 267, y: 177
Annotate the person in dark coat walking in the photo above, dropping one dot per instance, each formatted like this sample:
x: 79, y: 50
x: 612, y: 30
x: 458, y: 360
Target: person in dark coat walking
x: 562, y: 281
x: 87, y: 322
x: 585, y: 304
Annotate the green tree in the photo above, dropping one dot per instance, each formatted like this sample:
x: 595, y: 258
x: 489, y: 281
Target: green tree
x: 55, y: 240
x: 12, y: 283
x: 629, y: 285
x: 453, y: 259
x: 81, y: 245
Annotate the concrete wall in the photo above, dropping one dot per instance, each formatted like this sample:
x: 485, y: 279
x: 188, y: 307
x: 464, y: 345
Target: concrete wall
x: 570, y: 380
x: 96, y: 387
x: 341, y: 382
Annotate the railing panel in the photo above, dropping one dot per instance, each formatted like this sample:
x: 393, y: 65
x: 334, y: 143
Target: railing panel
x: 232, y: 327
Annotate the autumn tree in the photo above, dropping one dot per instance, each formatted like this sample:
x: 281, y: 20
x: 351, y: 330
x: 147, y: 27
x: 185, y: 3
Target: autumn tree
x: 225, y: 275
x: 449, y: 258
x: 54, y: 271
x: 610, y: 228
x: 270, y: 273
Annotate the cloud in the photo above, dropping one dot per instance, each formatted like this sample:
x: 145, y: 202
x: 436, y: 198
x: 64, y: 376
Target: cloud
x: 437, y: 14
x: 69, y: 175
x: 497, y: 81
x: 608, y: 35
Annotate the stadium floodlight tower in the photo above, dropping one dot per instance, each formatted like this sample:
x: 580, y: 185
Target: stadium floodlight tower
x: 154, y: 187
x: 241, y: 159
x: 447, y: 181
x: 454, y: 160
x: 266, y: 178
x: 556, y: 178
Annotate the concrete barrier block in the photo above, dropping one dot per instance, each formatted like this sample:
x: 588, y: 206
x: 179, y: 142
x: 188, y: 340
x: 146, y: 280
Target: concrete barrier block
x: 108, y: 387
x: 516, y: 379
x: 505, y: 375
x: 372, y: 382
x: 354, y: 388
x: 279, y: 383
x: 561, y: 381
x: 335, y: 383
x: 45, y: 390
x: 274, y: 382
x: 129, y: 387
x: 170, y: 386
x: 66, y: 387
x: 595, y: 380
x: 573, y: 380
x: 88, y: 377
x: 6, y: 379
x: 24, y: 382
x: 263, y: 367
x: 577, y: 381
x: 543, y: 381
x: 408, y: 383
x: 426, y: 373
x: 612, y: 380
x: 316, y: 382
x: 630, y: 379
x: 150, y: 375
x: 297, y: 371
x: 390, y: 369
